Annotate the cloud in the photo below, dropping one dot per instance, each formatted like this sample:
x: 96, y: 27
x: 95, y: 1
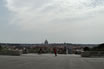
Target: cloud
x: 77, y: 18
x: 36, y: 12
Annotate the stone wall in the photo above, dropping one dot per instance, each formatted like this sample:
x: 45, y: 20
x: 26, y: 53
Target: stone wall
x: 92, y: 54
x: 11, y: 52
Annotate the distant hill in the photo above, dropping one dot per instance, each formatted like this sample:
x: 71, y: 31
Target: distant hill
x: 53, y: 44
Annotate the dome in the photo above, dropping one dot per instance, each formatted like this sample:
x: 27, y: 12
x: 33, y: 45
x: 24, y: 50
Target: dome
x: 46, y: 42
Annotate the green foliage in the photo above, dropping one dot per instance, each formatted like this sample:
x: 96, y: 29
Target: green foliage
x: 98, y: 48
x: 86, y: 49
x: 0, y: 48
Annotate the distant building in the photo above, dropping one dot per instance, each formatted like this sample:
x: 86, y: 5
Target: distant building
x: 48, y: 47
x: 46, y: 42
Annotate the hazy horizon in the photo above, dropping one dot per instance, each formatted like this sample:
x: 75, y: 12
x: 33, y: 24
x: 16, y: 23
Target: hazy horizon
x: 69, y: 21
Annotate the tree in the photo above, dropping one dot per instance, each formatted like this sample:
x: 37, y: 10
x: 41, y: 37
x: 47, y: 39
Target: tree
x: 86, y: 49
x: 0, y: 47
x: 100, y: 47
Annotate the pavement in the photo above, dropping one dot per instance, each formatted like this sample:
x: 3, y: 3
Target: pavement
x: 49, y: 61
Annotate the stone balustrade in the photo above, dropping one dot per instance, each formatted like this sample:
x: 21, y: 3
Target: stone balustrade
x: 11, y: 52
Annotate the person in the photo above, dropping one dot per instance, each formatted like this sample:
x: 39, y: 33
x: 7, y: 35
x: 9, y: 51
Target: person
x: 55, y: 51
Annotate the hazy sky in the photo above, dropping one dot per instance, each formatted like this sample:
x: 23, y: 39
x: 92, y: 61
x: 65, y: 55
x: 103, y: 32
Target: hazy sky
x: 33, y: 21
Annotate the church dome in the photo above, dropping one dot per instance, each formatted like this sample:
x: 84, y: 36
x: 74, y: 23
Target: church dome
x: 46, y: 42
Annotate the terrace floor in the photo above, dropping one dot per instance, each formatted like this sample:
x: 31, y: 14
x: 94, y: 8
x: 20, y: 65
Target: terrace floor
x: 49, y: 61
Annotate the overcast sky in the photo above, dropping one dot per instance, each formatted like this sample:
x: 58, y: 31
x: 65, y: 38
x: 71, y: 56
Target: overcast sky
x: 33, y: 21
